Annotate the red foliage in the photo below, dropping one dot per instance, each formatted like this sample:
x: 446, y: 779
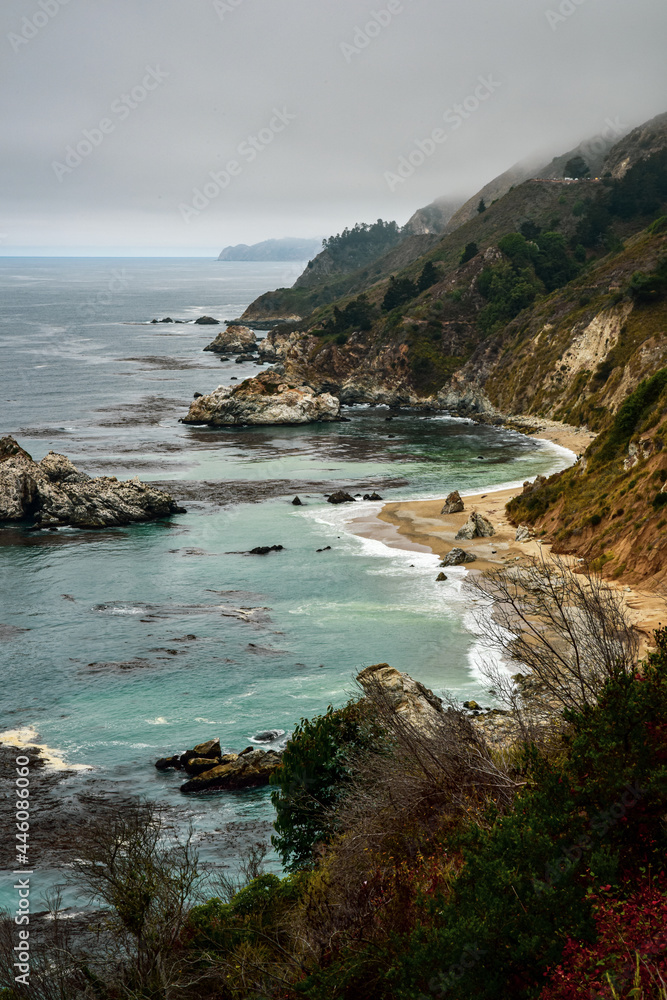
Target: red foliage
x: 635, y: 926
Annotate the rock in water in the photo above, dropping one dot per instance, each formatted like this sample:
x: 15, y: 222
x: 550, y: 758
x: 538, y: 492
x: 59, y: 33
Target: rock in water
x: 269, y: 736
x: 440, y: 578
x: 265, y: 399
x: 54, y: 493
x: 233, y: 340
x: 341, y: 497
x: 296, y: 502
x: 207, y: 321
x: 249, y: 769
x: 453, y: 504
x: 457, y: 557
x: 476, y: 527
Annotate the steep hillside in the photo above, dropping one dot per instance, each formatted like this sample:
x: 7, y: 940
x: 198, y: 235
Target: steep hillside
x: 611, y: 507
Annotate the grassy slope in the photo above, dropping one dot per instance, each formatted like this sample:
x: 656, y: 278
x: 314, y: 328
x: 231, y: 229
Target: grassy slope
x: 609, y: 508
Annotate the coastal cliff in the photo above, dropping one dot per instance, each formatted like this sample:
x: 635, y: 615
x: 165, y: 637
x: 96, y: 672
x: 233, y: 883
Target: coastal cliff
x: 550, y: 303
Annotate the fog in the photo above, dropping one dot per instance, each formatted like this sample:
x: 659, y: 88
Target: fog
x: 182, y: 126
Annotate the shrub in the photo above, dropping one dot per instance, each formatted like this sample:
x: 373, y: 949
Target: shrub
x: 314, y: 776
x: 400, y: 291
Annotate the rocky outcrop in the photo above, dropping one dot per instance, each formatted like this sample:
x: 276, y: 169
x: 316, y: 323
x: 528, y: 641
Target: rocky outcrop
x: 458, y: 557
x: 266, y: 399
x: 53, y: 493
x: 213, y: 771
x: 453, y: 503
x: 476, y: 526
x: 408, y: 698
x: 340, y: 496
x: 524, y: 533
x: 249, y: 769
x: 233, y: 340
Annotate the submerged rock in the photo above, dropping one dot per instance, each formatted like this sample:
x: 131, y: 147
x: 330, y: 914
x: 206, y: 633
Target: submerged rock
x: 265, y: 399
x: 269, y: 736
x: 453, y: 504
x: 233, y: 340
x: 476, y: 527
x: 54, y: 493
x: 457, y: 557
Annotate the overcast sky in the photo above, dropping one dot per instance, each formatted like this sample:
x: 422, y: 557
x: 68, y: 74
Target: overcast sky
x: 117, y: 112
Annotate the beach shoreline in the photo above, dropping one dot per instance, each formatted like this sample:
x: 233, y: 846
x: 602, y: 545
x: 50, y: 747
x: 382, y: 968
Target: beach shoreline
x: 419, y: 526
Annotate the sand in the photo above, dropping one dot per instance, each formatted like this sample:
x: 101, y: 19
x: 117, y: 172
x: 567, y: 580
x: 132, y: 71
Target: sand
x: 418, y: 525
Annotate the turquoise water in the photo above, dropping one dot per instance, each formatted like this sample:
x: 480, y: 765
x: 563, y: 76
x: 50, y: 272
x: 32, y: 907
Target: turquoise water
x: 142, y: 641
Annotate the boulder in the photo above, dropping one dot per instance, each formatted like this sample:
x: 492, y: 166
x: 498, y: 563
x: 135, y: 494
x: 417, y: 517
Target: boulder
x: 372, y: 496
x: 296, y: 502
x: 524, y: 533
x: 408, y: 698
x: 453, y: 504
x: 243, y: 358
x: 249, y: 769
x: 340, y: 496
x: 457, y: 557
x: 197, y: 765
x: 164, y: 763
x: 53, y: 493
x: 233, y: 340
x: 266, y: 399
x: 476, y: 526
x: 269, y: 736
x: 207, y: 321
x: 440, y: 578
x: 263, y: 550
x: 209, y: 749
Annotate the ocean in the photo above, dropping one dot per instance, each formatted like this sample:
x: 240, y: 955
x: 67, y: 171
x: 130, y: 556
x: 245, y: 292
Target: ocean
x: 142, y: 641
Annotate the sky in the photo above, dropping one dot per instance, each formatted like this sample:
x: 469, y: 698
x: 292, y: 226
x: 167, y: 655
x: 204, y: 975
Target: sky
x: 182, y: 126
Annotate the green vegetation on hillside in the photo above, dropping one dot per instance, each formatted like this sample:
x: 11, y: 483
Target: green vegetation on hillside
x: 602, y: 510
x: 365, y: 242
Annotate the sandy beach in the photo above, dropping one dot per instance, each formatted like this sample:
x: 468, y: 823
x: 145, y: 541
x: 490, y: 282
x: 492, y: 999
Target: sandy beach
x: 418, y: 525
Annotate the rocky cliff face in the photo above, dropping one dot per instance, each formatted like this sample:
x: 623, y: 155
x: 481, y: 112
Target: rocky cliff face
x: 53, y: 493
